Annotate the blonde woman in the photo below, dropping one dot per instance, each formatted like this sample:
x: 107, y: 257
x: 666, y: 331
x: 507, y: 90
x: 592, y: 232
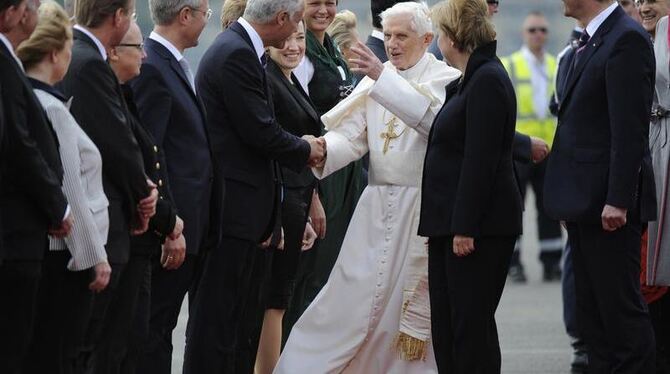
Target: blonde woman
x: 343, y: 31
x: 75, y: 266
x: 231, y: 11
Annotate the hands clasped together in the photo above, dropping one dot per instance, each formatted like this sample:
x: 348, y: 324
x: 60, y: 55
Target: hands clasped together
x: 317, y: 154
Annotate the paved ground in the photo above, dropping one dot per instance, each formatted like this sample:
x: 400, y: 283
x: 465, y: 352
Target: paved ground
x: 530, y: 325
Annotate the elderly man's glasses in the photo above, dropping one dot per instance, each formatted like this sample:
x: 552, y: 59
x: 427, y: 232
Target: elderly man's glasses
x: 139, y: 46
x: 493, y: 2
x: 642, y: 2
x: 208, y: 13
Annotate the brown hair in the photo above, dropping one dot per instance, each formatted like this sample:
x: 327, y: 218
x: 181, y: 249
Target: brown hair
x: 92, y: 13
x: 342, y: 27
x: 465, y: 22
x: 231, y: 11
x: 52, y: 32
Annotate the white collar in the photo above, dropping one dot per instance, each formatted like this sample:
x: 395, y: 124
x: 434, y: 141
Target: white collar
x: 167, y: 44
x: 8, y: 44
x: 255, y: 38
x: 98, y: 43
x: 595, y: 23
x: 377, y: 34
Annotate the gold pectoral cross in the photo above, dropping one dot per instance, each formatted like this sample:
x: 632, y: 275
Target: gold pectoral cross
x: 389, y: 134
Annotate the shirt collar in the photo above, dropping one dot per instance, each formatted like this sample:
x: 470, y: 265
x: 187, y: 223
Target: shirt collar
x: 377, y: 34
x: 167, y: 44
x: 595, y: 23
x: 51, y: 90
x: 255, y: 38
x: 98, y: 43
x: 8, y: 44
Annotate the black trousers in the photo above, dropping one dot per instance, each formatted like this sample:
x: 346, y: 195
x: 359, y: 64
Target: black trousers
x: 549, y: 230
x: 217, y: 312
x: 464, y: 296
x: 659, y: 311
x: 139, y: 330
x: 611, y: 314
x: 19, y: 284
x: 63, y: 313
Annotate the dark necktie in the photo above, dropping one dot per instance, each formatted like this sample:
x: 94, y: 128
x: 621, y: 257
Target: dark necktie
x: 581, y: 46
x: 264, y: 61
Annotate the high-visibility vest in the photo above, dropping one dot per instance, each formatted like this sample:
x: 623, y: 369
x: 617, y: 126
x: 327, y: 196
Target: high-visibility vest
x: 527, y: 121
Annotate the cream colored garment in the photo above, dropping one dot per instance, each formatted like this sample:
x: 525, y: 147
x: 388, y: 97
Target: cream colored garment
x: 351, y: 325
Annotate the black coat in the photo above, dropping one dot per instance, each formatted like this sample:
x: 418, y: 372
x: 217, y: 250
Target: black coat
x: 468, y: 185
x: 377, y: 47
x: 31, y: 199
x: 245, y: 135
x: 601, y: 149
x: 162, y: 223
x: 99, y: 108
x: 296, y: 114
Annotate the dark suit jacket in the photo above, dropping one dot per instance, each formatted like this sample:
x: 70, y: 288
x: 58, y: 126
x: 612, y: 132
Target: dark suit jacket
x: 468, y: 180
x: 296, y: 114
x: 99, y: 108
x: 162, y: 223
x: 377, y: 47
x: 245, y: 135
x: 175, y: 116
x: 31, y: 199
x: 601, y: 149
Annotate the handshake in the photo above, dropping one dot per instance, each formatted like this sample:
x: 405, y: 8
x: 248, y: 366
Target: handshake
x: 318, y: 152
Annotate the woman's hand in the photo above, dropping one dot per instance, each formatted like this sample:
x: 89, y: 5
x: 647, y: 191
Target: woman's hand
x: 463, y: 245
x: 318, y: 216
x: 308, y: 237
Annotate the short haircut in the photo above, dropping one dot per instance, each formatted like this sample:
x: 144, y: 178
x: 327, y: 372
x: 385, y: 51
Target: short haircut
x: 53, y: 30
x: 377, y: 7
x: 92, y: 13
x: 231, y: 11
x: 535, y: 13
x: 163, y: 12
x: 6, y: 4
x: 419, y: 12
x: 263, y: 11
x: 342, y: 27
x: 466, y: 23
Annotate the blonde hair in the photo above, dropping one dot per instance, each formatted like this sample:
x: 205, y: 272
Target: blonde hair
x: 52, y: 32
x: 342, y: 27
x: 231, y: 11
x: 466, y: 23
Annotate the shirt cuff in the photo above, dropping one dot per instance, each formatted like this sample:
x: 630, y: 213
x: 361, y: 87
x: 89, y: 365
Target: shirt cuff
x: 67, y: 212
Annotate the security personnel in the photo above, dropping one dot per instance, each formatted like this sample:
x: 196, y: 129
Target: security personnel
x: 532, y: 71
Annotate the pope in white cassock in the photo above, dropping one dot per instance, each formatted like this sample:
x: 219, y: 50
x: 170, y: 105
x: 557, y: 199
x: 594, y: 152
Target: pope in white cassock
x: 373, y: 315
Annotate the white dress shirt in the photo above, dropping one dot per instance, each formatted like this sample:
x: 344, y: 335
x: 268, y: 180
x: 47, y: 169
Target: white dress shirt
x: 255, y: 38
x: 185, y: 66
x: 8, y: 44
x: 595, y: 23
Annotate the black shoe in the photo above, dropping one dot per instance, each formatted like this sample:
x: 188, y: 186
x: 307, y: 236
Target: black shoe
x: 551, y: 273
x: 580, y: 362
x: 516, y: 274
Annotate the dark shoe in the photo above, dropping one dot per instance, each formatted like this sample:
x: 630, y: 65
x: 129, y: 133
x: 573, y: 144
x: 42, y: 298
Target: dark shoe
x: 551, y: 273
x: 516, y: 274
x: 580, y: 362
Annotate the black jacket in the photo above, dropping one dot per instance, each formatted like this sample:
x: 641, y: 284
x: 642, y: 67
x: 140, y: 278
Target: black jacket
x: 99, y: 108
x: 468, y: 185
x: 162, y: 223
x: 601, y: 149
x: 245, y: 135
x: 174, y: 115
x: 377, y: 47
x: 31, y: 199
x: 296, y: 114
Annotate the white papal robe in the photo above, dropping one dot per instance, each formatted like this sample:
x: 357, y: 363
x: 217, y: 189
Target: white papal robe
x: 351, y: 325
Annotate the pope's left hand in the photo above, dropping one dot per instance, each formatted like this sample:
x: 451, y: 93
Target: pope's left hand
x: 366, y: 63
x: 463, y: 245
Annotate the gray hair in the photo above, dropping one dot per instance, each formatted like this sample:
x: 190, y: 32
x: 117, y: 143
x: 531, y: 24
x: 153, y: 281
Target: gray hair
x: 421, y: 22
x: 262, y: 11
x: 163, y: 12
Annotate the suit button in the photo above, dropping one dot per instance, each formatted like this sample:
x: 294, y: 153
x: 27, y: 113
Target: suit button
x: 158, y: 166
x: 160, y: 183
x: 161, y: 197
x: 156, y: 149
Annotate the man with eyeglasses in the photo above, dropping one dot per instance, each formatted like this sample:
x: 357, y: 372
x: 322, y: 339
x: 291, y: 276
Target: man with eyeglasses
x: 172, y: 111
x: 532, y: 71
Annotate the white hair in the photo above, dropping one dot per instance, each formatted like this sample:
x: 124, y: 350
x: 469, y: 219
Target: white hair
x: 418, y: 11
x: 263, y: 11
x: 163, y: 12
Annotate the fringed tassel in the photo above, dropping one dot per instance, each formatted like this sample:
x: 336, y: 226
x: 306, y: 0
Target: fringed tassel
x: 410, y: 348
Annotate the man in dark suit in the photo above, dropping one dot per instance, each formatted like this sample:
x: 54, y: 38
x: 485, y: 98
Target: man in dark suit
x: 600, y: 182
x: 99, y: 108
x: 247, y: 140
x: 172, y: 111
x: 31, y: 200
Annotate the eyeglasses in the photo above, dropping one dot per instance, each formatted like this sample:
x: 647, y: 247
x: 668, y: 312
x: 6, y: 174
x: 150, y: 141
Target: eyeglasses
x: 533, y: 30
x: 493, y: 2
x: 642, y: 2
x: 139, y: 46
x: 208, y: 13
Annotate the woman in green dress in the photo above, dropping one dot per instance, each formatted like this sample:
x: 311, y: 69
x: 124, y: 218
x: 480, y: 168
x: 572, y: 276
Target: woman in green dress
x: 325, y: 76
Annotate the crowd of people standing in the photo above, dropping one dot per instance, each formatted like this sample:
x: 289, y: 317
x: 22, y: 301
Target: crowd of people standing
x: 327, y: 205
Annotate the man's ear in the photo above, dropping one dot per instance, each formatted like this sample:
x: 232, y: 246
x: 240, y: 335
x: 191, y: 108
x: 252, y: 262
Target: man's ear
x: 184, y: 14
x: 282, y: 18
x: 112, y: 55
x: 118, y: 16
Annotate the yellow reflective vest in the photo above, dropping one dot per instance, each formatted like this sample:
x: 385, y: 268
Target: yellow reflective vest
x: 527, y: 121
